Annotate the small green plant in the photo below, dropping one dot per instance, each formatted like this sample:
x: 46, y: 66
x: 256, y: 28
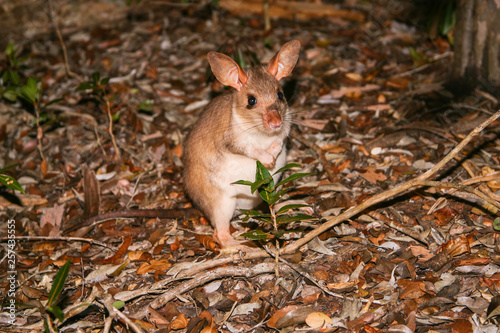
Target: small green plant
x: 98, y: 88
x: 10, y: 74
x: 496, y: 224
x: 9, y: 181
x: 271, y: 193
x: 442, y: 18
x: 55, y: 291
x: 31, y: 93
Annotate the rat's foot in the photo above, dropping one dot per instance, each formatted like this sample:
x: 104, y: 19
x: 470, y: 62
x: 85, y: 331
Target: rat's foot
x: 229, y: 245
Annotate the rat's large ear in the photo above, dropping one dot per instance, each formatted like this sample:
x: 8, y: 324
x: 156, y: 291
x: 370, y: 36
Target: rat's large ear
x: 226, y: 70
x: 284, y: 61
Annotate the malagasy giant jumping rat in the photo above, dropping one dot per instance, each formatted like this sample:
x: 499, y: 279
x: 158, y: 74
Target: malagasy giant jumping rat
x: 249, y: 124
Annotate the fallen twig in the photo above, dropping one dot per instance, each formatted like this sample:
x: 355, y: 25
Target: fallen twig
x: 56, y: 239
x: 203, y: 278
x: 63, y: 45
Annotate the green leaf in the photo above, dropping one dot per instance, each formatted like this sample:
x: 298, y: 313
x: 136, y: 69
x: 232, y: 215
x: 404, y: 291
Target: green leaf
x: 243, y: 182
x: 11, y: 183
x: 252, y: 212
x: 266, y: 195
x: 119, y: 305
x: 9, y: 50
x: 8, y: 167
x: 273, y: 198
x: 288, y: 207
x: 104, y: 81
x: 96, y: 76
x: 288, y: 166
x: 56, y: 311
x: 52, y: 102
x: 146, y: 106
x: 10, y: 94
x: 116, y: 116
x: 278, y: 233
x: 58, y: 284
x: 13, y: 77
x: 85, y: 86
x: 30, y: 91
x: 496, y: 224
x: 448, y: 18
x: 287, y: 219
x: 295, y: 176
x: 241, y: 59
x: 257, y: 235
x: 262, y: 172
x: 258, y: 184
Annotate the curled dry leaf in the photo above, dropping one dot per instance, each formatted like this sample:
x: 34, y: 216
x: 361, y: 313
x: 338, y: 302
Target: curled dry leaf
x: 342, y: 286
x: 208, y: 242
x: 154, y: 265
x: 139, y: 256
x: 179, y: 322
x: 120, y: 252
x: 44, y: 167
x: 176, y: 244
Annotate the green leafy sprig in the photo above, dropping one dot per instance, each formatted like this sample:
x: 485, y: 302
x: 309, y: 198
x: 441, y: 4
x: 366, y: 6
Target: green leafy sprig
x: 271, y: 193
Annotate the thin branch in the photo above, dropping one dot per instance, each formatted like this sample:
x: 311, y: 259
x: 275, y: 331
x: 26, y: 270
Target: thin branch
x: 463, y: 188
x: 110, y: 128
x: 63, y: 45
x: 204, y: 277
x: 56, y: 239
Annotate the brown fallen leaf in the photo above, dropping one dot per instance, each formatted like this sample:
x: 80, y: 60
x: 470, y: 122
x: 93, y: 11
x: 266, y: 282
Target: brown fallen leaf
x: 280, y: 313
x: 457, y: 246
x: 444, y: 215
x: 422, y: 253
x: 318, y: 320
x: 139, y: 256
x: 51, y: 220
x: 120, y: 252
x: 154, y: 265
x: 372, y: 175
x: 208, y: 242
x: 414, y: 290
x: 461, y: 325
x: 342, y: 286
x: 156, y: 317
x: 472, y: 261
x: 44, y: 167
x: 179, y: 322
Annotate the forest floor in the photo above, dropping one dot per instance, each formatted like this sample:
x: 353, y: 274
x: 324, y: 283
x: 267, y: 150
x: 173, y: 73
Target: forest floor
x: 371, y: 111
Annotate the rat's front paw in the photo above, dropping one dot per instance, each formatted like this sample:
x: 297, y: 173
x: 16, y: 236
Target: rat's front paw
x: 268, y: 160
x: 275, y: 148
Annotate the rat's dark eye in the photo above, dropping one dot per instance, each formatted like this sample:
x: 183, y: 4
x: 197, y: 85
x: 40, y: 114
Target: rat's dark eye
x: 252, y: 100
x: 280, y: 95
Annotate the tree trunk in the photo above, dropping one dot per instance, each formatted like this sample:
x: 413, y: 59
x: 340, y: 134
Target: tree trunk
x: 477, y: 46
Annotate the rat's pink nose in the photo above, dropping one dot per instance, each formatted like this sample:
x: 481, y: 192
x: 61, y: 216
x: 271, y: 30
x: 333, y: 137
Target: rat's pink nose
x: 273, y: 119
